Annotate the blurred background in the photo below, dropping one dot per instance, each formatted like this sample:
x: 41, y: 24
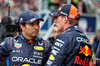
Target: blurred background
x: 89, y: 10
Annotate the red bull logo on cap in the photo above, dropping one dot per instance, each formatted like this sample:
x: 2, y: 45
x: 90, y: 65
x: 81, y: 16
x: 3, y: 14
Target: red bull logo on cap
x: 85, y: 50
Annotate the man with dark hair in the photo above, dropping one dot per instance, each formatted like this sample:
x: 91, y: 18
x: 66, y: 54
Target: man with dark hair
x: 26, y: 49
x: 72, y: 47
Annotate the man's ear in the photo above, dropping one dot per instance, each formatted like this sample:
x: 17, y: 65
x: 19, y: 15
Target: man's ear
x: 66, y: 19
x: 21, y: 26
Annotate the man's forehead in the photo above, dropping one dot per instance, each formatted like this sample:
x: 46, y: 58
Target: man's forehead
x: 58, y: 16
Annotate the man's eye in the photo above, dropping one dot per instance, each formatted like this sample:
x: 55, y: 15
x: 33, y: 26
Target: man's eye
x: 31, y: 24
x: 56, y: 17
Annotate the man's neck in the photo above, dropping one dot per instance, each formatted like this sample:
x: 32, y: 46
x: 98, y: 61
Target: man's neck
x: 67, y: 26
x: 27, y: 37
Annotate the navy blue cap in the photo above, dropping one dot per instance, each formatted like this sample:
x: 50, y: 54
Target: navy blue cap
x: 29, y: 17
x: 68, y: 10
x: 61, y: 11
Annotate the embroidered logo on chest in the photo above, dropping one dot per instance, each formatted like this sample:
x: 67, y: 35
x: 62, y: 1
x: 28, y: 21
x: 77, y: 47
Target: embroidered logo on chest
x: 17, y: 45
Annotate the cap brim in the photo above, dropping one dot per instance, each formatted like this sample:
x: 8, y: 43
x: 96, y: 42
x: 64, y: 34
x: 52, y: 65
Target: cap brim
x: 55, y: 14
x: 31, y: 21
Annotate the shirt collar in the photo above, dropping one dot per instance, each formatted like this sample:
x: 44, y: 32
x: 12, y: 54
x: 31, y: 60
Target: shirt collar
x: 74, y: 27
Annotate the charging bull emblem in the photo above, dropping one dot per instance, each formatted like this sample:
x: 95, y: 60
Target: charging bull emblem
x: 85, y: 50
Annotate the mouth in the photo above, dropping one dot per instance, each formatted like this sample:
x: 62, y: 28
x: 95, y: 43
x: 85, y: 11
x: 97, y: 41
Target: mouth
x: 36, y: 32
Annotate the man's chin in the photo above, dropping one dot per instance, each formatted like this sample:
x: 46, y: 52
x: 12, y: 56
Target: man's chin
x: 34, y: 35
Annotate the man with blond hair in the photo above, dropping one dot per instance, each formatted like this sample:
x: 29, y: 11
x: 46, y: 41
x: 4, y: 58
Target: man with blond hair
x: 72, y: 47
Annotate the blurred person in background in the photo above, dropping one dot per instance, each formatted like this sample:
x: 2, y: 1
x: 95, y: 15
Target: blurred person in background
x: 96, y: 60
x: 81, y: 7
x: 96, y: 44
x: 17, y: 9
x: 62, y: 2
x: 72, y: 47
x: 75, y: 4
x: 25, y: 5
x: 26, y: 49
x: 98, y: 10
x: 95, y: 41
x: 98, y: 51
x: 98, y: 56
x: 31, y: 5
x: 55, y: 34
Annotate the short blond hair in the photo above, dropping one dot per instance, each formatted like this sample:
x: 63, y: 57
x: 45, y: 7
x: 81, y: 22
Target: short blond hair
x: 74, y: 21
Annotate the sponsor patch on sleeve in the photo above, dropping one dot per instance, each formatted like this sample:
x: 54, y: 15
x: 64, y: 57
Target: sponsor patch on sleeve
x: 52, y: 57
x: 38, y: 48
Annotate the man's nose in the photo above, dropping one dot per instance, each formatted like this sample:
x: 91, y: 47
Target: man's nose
x: 55, y: 21
x: 36, y: 26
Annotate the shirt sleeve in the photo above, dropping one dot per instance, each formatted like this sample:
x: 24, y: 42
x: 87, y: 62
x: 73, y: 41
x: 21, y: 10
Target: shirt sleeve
x: 58, y: 53
x: 4, y: 48
x: 48, y: 50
